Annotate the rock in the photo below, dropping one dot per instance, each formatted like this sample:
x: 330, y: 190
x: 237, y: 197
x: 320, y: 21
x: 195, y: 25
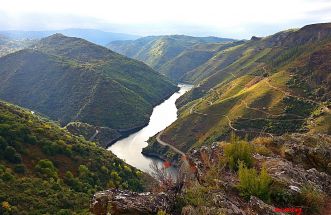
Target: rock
x: 189, y: 210
x: 231, y: 205
x: 262, y: 208
x: 117, y: 202
x: 310, y: 151
x: 295, y: 175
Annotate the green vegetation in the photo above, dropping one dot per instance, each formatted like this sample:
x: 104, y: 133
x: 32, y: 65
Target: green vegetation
x: 271, y: 86
x: 104, y: 137
x: 172, y: 55
x: 312, y: 198
x: 45, y: 169
x: 253, y: 184
x: 69, y: 79
x: 197, y: 195
x: 238, y: 151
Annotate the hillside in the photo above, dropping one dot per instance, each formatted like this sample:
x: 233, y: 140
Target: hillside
x: 170, y: 54
x: 9, y: 45
x: 45, y: 169
x: 93, y: 35
x: 70, y: 79
x: 266, y: 86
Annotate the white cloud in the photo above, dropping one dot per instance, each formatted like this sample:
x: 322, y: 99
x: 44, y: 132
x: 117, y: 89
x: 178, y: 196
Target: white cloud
x: 219, y: 15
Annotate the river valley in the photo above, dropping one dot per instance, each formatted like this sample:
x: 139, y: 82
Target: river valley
x: 129, y: 149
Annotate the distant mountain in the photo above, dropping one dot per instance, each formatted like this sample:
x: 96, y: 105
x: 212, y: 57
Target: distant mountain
x: 8, y: 45
x: 172, y: 55
x: 95, y: 36
x: 263, y: 87
x: 70, y: 79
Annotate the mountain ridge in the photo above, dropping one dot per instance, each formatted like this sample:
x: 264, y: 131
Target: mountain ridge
x: 156, y: 51
x: 72, y: 79
x: 259, y: 87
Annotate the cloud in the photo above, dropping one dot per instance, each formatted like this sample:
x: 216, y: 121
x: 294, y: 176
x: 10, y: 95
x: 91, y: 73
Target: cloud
x: 231, y: 18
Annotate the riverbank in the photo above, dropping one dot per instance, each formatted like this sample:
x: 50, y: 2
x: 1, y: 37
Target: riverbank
x: 131, y: 148
x: 162, y: 152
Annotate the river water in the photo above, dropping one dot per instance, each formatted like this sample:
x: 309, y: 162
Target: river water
x: 129, y: 149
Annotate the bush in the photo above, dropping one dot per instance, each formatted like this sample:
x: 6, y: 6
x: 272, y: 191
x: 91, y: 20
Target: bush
x: 253, y: 184
x: 3, y: 144
x: 73, y: 182
x: 11, y: 155
x: 262, y: 150
x: 197, y: 195
x: 312, y: 198
x: 47, y: 169
x: 19, y: 168
x: 51, y: 148
x: 7, y: 176
x: 162, y: 212
x: 238, y: 151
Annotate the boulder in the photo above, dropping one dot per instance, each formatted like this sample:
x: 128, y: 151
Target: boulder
x: 117, y: 202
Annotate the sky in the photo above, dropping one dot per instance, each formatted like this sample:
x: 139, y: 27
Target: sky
x: 238, y: 19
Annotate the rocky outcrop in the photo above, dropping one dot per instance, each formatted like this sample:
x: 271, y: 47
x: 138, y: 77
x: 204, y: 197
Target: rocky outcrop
x: 310, y: 151
x: 294, y: 176
x: 262, y: 208
x: 221, y: 191
x: 116, y: 201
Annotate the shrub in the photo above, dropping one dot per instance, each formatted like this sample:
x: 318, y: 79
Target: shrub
x: 262, y: 150
x: 11, y: 155
x: 238, y: 151
x: 253, y: 184
x: 196, y: 195
x: 281, y: 196
x: 162, y: 212
x: 7, y: 176
x: 46, y: 168
x: 3, y: 143
x: 31, y: 139
x: 312, y: 198
x: 51, y: 148
x: 73, y: 182
x: 19, y: 168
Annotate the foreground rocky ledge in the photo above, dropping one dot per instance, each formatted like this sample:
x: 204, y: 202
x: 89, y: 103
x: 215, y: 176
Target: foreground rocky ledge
x: 293, y: 162
x: 115, y: 201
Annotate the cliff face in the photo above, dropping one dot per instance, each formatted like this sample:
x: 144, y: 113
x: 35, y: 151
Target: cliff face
x: 297, y: 167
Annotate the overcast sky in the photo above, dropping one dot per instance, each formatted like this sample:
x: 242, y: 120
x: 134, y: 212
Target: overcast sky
x: 226, y: 18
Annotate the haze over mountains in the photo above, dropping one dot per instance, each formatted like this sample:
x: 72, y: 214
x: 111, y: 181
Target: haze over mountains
x: 93, y: 35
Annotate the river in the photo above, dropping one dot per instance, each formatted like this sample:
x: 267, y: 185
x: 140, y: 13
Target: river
x: 129, y: 149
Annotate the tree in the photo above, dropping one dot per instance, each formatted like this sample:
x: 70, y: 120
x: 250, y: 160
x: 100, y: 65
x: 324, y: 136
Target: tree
x: 3, y: 143
x: 47, y: 169
x: 11, y: 155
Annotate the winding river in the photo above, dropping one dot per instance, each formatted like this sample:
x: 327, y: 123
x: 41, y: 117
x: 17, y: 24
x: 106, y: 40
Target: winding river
x: 129, y: 149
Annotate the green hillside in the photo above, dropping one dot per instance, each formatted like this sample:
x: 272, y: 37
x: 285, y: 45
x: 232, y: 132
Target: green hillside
x: 46, y: 170
x: 172, y: 55
x: 266, y: 86
x: 70, y: 79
